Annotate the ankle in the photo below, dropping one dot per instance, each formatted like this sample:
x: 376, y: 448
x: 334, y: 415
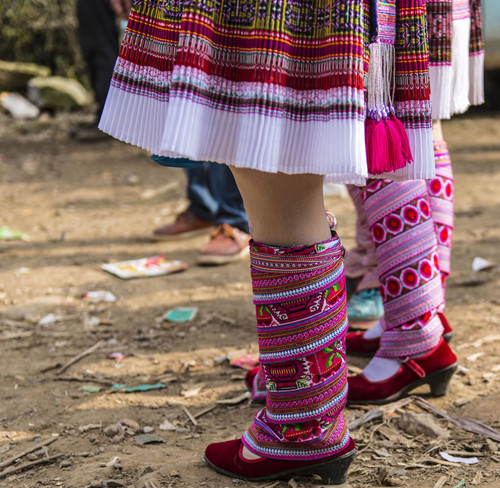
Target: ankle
x: 248, y: 455
x: 380, y: 369
x: 376, y: 330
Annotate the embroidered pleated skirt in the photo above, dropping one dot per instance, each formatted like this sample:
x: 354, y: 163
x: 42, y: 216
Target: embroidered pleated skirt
x: 456, y: 56
x: 273, y: 85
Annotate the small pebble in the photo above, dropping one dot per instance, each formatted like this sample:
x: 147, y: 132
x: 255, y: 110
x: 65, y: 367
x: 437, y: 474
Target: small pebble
x: 133, y: 179
x: 113, y: 483
x: 131, y: 424
x: 112, y: 430
x: 117, y: 439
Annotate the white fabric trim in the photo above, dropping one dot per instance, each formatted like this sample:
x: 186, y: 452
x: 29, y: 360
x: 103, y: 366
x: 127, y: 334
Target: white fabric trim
x: 271, y: 144
x: 422, y: 149
x: 460, y: 66
x: 441, y: 77
x: 266, y: 143
x: 476, y: 78
x: 191, y: 130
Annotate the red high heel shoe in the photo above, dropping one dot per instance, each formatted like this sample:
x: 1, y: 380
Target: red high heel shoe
x: 250, y: 376
x: 434, y: 369
x: 226, y: 458
x: 357, y: 345
x: 258, y: 391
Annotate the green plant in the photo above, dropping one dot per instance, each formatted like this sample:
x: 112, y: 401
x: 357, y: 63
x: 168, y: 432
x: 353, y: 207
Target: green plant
x: 43, y: 32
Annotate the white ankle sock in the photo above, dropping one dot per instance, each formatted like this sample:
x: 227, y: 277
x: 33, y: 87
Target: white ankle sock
x: 375, y: 331
x: 379, y: 369
x: 249, y: 455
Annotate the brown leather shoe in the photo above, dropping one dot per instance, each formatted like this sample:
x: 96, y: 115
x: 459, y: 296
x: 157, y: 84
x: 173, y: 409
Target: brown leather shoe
x: 186, y: 225
x: 227, y: 244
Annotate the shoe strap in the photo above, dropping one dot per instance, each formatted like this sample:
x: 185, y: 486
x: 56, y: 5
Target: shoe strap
x: 414, y: 366
x: 224, y: 230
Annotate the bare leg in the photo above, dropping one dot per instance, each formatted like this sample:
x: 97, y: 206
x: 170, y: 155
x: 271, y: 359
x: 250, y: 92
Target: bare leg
x: 437, y: 130
x: 283, y: 210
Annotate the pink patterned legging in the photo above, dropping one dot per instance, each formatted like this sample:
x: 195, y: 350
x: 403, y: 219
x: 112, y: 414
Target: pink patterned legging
x: 410, y: 225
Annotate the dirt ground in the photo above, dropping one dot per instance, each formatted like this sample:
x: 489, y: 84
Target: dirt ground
x: 88, y: 204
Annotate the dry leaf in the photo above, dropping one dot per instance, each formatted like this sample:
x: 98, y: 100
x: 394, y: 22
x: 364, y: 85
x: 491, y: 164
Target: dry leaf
x: 192, y: 391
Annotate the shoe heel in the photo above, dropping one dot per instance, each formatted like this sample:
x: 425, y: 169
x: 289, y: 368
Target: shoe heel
x: 333, y: 472
x: 448, y: 337
x: 440, y: 381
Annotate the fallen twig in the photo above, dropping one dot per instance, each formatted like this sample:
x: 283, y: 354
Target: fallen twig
x: 13, y: 459
x: 22, y: 467
x: 15, y: 323
x: 190, y: 415
x: 204, y: 411
x: 468, y: 453
x: 236, y: 400
x: 163, y: 378
x: 463, y: 423
x: 84, y: 380
x: 392, y: 407
x: 440, y: 482
x: 80, y: 356
x: 152, y: 193
x: 370, y: 440
x: 8, y: 336
x: 430, y: 459
x: 272, y: 485
x: 367, y: 417
x: 50, y: 368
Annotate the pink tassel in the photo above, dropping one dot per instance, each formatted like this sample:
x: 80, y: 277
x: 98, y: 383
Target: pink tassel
x: 378, y: 149
x: 396, y: 159
x: 405, y: 143
x: 369, y: 126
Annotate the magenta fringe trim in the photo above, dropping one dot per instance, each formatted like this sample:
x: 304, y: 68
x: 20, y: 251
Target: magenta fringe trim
x: 387, y: 145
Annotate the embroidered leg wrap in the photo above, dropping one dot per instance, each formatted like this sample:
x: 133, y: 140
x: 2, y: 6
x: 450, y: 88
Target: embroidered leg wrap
x: 441, y: 193
x: 361, y: 260
x: 300, y: 301
x: 399, y: 216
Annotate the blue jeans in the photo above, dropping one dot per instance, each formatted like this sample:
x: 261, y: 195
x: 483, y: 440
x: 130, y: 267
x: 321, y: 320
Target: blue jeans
x: 214, y: 196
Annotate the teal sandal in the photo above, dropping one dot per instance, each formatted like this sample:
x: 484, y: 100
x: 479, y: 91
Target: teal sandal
x: 365, y: 306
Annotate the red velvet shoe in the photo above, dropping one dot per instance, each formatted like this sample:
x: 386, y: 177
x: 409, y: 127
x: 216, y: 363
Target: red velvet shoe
x: 250, y: 376
x: 258, y: 393
x: 357, y: 345
x: 434, y: 369
x: 447, y: 330
x: 227, y: 458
